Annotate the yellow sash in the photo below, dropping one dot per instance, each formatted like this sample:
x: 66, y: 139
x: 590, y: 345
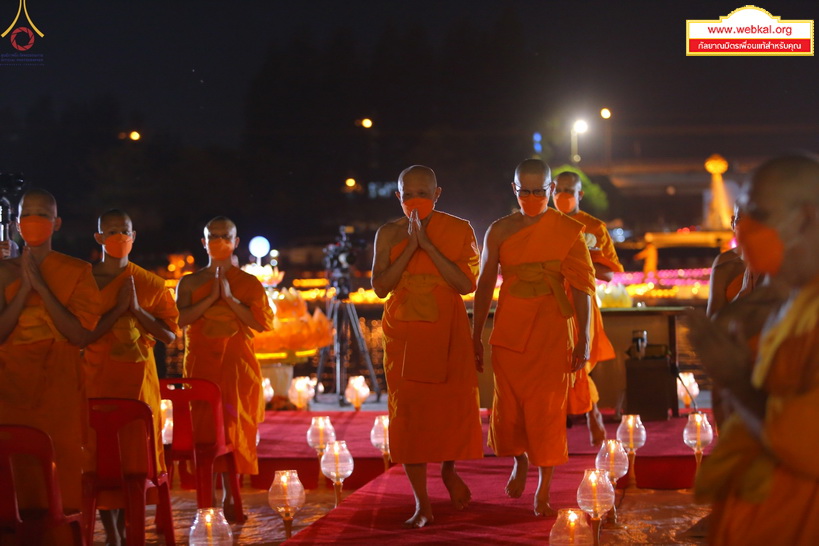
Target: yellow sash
x: 220, y: 321
x: 416, y: 300
x: 538, y: 279
x: 35, y: 324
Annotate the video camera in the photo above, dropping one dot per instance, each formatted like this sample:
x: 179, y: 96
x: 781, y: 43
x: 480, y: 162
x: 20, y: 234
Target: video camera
x: 339, y: 257
x: 11, y: 188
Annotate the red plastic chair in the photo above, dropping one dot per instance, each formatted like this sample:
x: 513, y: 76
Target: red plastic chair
x: 181, y: 392
x: 107, y: 416
x: 30, y: 524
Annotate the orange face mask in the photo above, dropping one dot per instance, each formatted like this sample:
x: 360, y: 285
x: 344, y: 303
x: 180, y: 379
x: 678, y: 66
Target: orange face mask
x: 118, y: 245
x: 220, y: 249
x: 35, y: 230
x: 423, y: 205
x: 531, y: 205
x: 762, y: 248
x: 565, y: 202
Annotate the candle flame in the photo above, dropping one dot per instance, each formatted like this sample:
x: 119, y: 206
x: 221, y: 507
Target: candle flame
x: 572, y: 516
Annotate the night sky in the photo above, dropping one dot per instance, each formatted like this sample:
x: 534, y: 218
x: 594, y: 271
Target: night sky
x: 181, y: 71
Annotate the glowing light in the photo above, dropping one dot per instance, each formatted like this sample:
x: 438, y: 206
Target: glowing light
x: 350, y: 182
x: 580, y: 126
x: 134, y: 135
x: 274, y: 253
x: 259, y: 246
x: 366, y: 123
x: 310, y: 283
x: 605, y: 113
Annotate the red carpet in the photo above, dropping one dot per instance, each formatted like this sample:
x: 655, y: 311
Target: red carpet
x: 374, y: 514
x: 663, y: 463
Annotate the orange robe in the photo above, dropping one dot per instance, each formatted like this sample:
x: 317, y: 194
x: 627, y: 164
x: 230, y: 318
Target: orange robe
x: 532, y: 337
x: 41, y: 372
x: 428, y: 356
x: 219, y: 347
x: 584, y: 391
x: 733, y: 288
x: 767, y: 491
x: 121, y: 363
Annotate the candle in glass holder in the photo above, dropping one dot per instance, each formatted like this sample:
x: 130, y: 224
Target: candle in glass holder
x: 337, y: 464
x: 357, y: 391
x: 301, y: 391
x: 267, y: 388
x: 320, y: 433
x: 613, y: 460
x: 697, y: 435
x: 380, y: 438
x: 687, y: 388
x: 595, y: 496
x: 632, y: 434
x: 210, y: 528
x: 571, y: 529
x: 286, y: 496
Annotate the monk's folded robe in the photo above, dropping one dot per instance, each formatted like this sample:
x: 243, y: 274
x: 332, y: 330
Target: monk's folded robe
x: 428, y: 355
x: 767, y: 492
x: 583, y: 391
x: 41, y: 383
x: 121, y: 363
x: 533, y: 337
x: 219, y: 347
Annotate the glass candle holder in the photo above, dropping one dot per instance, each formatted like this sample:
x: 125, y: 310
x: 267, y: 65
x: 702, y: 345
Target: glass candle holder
x: 301, y: 390
x: 380, y: 438
x: 697, y: 435
x: 357, y: 391
x: 571, y: 528
x: 595, y: 496
x: 337, y: 464
x: 320, y: 433
x: 632, y: 434
x: 613, y: 460
x: 286, y: 496
x: 210, y: 528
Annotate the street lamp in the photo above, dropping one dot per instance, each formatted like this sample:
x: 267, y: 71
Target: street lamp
x: 605, y: 113
x: 578, y: 127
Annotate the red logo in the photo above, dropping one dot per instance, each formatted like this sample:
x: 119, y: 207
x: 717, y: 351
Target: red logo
x: 22, y: 39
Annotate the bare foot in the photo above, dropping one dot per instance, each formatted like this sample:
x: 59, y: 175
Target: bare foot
x: 421, y: 518
x: 517, y: 480
x: 229, y: 509
x: 542, y: 506
x: 597, y: 430
x: 459, y: 492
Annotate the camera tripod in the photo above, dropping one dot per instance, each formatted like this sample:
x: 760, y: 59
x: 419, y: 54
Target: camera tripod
x: 344, y: 318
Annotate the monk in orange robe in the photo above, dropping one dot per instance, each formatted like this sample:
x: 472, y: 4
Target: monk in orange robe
x: 223, y: 306
x: 50, y: 304
x: 730, y: 278
x: 583, y: 397
x: 424, y: 262
x: 137, y: 310
x: 535, y: 345
x: 763, y: 475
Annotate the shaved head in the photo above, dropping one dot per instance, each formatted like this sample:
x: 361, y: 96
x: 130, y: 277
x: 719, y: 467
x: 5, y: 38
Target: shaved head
x: 417, y: 173
x: 568, y: 178
x: 533, y: 167
x: 220, y: 222
x: 796, y: 177
x: 43, y: 197
x: 115, y: 215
